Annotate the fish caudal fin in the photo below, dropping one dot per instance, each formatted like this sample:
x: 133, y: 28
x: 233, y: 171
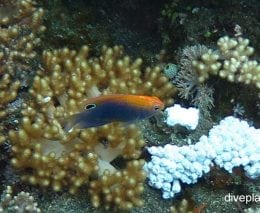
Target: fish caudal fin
x: 69, y: 123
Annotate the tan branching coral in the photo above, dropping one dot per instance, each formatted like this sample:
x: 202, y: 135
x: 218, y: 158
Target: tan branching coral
x: 22, y: 202
x: 208, y: 64
x: 2, y: 138
x: 231, y: 61
x: 182, y: 207
x: 8, y: 90
x: 51, y: 157
x: 20, y: 22
x: 187, y: 206
x: 121, y: 188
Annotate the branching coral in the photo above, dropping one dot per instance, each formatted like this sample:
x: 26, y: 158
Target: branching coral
x: 231, y: 62
x: 182, y: 207
x: 20, y: 22
x: 51, y: 157
x: 8, y: 90
x: 122, y: 188
x: 185, y: 206
x: 22, y: 202
x: 171, y: 163
x: 2, y: 138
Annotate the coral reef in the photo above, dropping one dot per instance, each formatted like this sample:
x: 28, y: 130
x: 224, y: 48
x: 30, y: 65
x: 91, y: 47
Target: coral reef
x: 123, y: 188
x: 183, y: 207
x: 20, y: 24
x: 191, y: 89
x: 236, y: 65
x: 202, y: 67
x: 187, y: 79
x: 186, y: 206
x: 22, y: 202
x: 177, y: 115
x: 72, y: 159
x: 105, y: 161
x: 230, y: 144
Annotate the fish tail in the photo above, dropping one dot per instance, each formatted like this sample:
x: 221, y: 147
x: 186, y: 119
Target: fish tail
x: 69, y: 123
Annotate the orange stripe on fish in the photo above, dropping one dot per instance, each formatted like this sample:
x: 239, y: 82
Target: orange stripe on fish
x: 133, y: 100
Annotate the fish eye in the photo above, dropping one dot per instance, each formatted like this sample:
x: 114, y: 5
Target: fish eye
x: 90, y: 106
x: 156, y: 108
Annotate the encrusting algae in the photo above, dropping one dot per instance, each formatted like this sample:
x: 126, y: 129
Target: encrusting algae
x: 48, y: 156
